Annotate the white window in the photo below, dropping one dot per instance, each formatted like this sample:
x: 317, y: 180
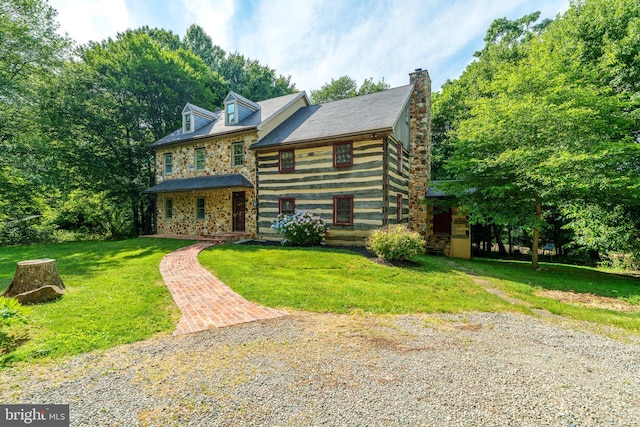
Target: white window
x: 232, y: 114
x: 187, y: 122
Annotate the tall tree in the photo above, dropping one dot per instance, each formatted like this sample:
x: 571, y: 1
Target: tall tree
x: 109, y: 105
x: 538, y: 133
x: 345, y: 87
x: 252, y: 80
x: 30, y: 51
x: 199, y: 42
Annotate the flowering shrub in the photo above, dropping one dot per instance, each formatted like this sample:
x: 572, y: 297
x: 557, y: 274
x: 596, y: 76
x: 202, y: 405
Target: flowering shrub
x: 301, y: 229
x: 395, y: 243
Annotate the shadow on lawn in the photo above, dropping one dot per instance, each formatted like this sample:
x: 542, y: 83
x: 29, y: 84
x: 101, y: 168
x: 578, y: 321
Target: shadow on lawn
x: 561, y: 277
x: 80, y: 258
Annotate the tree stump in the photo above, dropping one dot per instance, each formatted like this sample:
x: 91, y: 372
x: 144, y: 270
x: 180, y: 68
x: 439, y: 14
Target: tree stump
x: 32, y: 275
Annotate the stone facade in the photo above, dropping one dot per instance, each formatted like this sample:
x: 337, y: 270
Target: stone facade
x: 217, y: 213
x: 419, y: 150
x: 218, y: 203
x: 217, y: 158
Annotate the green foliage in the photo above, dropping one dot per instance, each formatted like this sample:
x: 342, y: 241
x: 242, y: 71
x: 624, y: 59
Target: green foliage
x: 345, y: 87
x: 114, y: 295
x: 31, y: 52
x: 546, y: 117
x: 199, y: 42
x: 396, y: 243
x: 252, y: 80
x: 303, y: 228
x: 107, y: 107
x: 604, y: 229
x: 92, y: 214
x: 21, y: 232
x: 11, y: 312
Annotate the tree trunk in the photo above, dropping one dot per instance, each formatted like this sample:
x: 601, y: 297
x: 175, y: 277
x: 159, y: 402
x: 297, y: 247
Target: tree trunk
x: 136, y: 218
x: 536, y: 234
x: 32, y: 275
x: 498, y: 235
x: 510, y: 240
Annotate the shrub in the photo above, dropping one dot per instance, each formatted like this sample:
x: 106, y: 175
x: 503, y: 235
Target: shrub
x: 395, y: 243
x: 10, y: 311
x: 301, y: 229
x: 20, y: 233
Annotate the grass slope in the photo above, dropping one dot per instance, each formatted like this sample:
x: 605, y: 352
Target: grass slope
x: 519, y: 281
x: 340, y: 281
x: 114, y: 295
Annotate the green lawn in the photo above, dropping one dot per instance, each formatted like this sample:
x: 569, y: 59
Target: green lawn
x: 114, y: 295
x: 340, y: 281
x: 330, y: 280
x: 519, y: 281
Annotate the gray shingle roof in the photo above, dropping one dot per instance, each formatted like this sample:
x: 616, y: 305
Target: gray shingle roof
x: 201, y: 183
x: 218, y: 127
x: 242, y: 99
x: 200, y: 110
x: 361, y: 114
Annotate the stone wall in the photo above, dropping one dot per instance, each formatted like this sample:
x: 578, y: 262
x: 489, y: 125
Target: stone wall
x: 419, y: 150
x: 218, y: 206
x: 217, y: 158
x: 218, y: 213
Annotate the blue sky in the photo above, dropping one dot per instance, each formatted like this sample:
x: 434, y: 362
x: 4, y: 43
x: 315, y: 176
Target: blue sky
x: 314, y: 41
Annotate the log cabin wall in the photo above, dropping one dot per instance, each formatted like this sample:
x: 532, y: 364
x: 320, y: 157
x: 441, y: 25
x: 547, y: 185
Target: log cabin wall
x: 397, y: 177
x: 315, y: 182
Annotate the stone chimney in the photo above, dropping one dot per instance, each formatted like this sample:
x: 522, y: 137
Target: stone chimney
x: 420, y: 149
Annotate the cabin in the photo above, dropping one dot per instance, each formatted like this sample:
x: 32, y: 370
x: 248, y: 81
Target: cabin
x: 361, y: 163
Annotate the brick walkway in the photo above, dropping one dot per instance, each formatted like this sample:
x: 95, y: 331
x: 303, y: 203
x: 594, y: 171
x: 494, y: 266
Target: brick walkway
x: 204, y: 300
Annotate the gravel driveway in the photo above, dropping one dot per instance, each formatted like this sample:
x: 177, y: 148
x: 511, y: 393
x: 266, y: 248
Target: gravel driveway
x: 318, y: 369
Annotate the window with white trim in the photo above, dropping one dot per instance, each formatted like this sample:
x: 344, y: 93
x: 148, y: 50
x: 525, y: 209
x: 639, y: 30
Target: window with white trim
x: 187, y: 122
x: 231, y: 113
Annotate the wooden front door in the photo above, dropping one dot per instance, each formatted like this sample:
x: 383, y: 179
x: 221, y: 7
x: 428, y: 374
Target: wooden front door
x: 238, y: 202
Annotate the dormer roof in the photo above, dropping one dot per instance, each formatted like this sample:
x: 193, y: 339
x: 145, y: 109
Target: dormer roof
x: 200, y: 111
x: 264, y: 112
x: 247, y: 103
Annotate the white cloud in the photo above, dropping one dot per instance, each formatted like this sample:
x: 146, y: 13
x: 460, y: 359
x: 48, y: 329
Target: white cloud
x: 214, y: 16
x: 316, y: 40
x: 92, y: 20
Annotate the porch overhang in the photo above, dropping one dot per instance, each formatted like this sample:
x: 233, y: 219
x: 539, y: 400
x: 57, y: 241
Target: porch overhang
x: 233, y: 180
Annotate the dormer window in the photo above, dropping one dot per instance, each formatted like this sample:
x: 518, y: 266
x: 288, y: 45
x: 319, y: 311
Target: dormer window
x: 187, y: 122
x: 232, y: 117
x: 194, y: 118
x: 237, y: 108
